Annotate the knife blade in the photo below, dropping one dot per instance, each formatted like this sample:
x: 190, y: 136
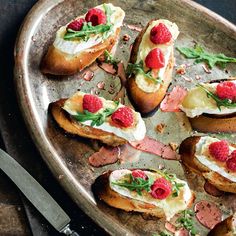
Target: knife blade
x: 36, y: 194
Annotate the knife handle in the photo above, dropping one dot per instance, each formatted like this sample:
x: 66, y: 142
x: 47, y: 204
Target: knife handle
x: 67, y: 231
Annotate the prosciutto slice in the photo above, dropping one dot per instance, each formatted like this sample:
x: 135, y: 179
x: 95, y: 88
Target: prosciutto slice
x: 172, y: 100
x: 153, y: 146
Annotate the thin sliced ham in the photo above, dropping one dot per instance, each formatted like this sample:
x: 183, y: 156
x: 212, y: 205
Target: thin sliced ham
x: 153, y: 146
x: 109, y: 155
x: 208, y: 213
x: 173, y: 99
x: 105, y: 156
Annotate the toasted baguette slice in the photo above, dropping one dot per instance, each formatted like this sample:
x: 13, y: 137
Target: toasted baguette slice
x: 208, y: 121
x: 103, y: 191
x: 225, y: 228
x: 147, y: 99
x: 65, y: 57
x: 187, y: 152
x: 64, y: 109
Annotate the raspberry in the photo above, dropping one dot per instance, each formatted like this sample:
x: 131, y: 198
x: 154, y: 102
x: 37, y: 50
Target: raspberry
x: 123, y: 117
x: 231, y: 162
x: 161, y: 188
x: 92, y: 103
x: 155, y: 59
x: 76, y: 25
x: 139, y: 174
x: 96, y: 17
x: 160, y: 34
x: 219, y: 150
x: 226, y: 90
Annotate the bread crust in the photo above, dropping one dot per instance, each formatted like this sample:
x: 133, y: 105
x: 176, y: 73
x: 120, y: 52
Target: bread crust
x: 143, y: 101
x: 75, y: 128
x: 215, y: 123
x: 57, y: 62
x: 187, y: 154
x: 224, y: 228
x: 103, y: 191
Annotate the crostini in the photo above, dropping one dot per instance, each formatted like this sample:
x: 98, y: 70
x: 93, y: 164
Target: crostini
x: 212, y: 158
x: 151, y: 64
x: 211, y: 106
x: 94, y: 117
x: 83, y: 40
x: 225, y: 228
x: 147, y: 191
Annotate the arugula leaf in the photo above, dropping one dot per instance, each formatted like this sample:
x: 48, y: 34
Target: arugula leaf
x: 163, y: 233
x: 88, y: 29
x: 186, y: 221
x: 96, y: 118
x: 200, y: 55
x: 138, y: 68
x: 111, y: 60
x: 136, y: 184
x: 172, y: 179
x: 219, y: 102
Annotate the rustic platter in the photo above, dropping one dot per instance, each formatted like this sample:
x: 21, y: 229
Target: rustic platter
x: 67, y: 156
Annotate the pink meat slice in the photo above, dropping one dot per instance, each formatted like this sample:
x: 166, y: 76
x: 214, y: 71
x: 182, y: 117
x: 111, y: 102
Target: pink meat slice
x: 212, y: 190
x: 153, y: 146
x: 108, y: 68
x: 208, y: 213
x: 105, y: 156
x: 173, y: 99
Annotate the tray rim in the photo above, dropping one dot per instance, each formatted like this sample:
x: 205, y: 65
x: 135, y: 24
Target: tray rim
x: 36, y: 132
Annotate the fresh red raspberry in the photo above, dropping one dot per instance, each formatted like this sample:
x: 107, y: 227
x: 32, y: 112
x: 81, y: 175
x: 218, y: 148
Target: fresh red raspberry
x: 226, y: 90
x: 92, y: 103
x: 123, y: 117
x: 219, y: 150
x: 139, y: 174
x: 231, y: 162
x: 160, y: 34
x: 161, y: 188
x: 76, y: 25
x: 155, y: 59
x: 96, y: 17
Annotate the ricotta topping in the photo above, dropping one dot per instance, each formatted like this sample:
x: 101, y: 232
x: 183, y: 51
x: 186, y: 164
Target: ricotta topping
x: 133, y: 133
x: 77, y: 45
x: 146, y: 46
x: 170, y: 205
x: 203, y: 156
x: 196, y: 102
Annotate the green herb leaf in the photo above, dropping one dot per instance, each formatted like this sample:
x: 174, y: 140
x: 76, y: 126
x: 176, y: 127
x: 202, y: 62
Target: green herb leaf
x: 219, y: 102
x: 88, y: 29
x: 96, y: 118
x: 165, y: 233
x: 200, y: 55
x: 111, y: 60
x: 136, y: 184
x: 138, y: 68
x: 186, y: 221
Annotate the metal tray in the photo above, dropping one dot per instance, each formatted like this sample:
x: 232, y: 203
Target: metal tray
x: 67, y: 156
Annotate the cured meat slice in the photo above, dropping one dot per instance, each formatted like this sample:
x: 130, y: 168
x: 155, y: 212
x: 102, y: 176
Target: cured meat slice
x: 173, y: 99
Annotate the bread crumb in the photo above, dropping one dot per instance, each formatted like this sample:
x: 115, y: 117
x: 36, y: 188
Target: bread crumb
x: 126, y: 37
x: 160, y: 128
x: 173, y: 146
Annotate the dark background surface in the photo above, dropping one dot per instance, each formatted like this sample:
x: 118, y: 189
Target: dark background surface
x: 15, y: 218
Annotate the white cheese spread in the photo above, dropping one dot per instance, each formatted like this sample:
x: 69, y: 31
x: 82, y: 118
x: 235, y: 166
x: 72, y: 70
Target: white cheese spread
x: 146, y: 46
x: 133, y: 133
x: 76, y: 46
x: 196, y: 102
x: 203, y: 156
x: 170, y: 205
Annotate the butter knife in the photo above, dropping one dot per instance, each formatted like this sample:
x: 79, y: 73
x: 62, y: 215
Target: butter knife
x: 36, y: 194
